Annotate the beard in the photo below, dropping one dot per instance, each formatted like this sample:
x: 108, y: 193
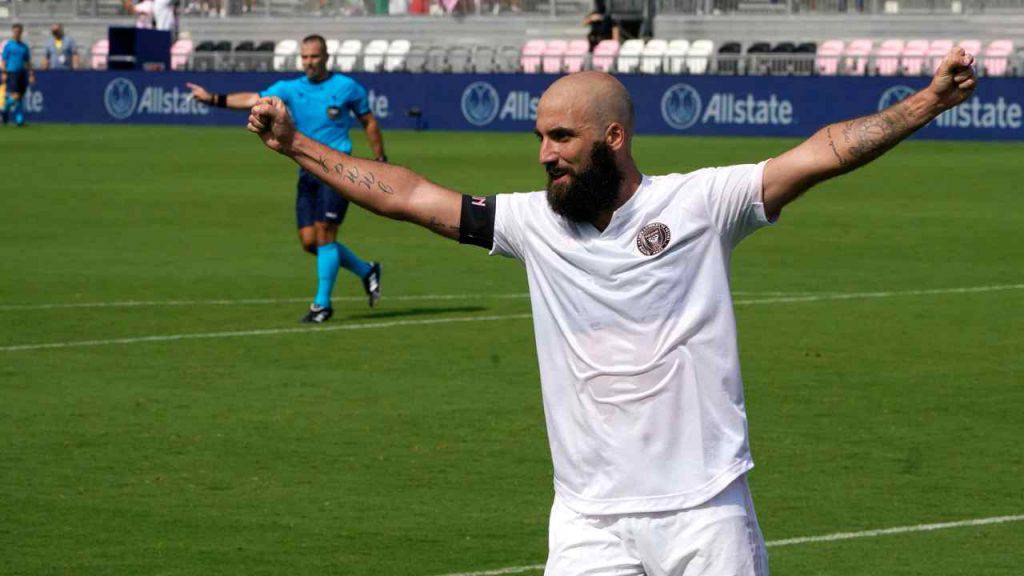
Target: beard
x: 588, y: 192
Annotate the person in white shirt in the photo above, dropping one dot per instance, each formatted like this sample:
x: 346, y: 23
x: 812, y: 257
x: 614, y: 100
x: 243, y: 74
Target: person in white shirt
x: 635, y: 333
x: 156, y: 14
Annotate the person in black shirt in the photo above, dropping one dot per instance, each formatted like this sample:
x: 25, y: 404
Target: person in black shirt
x: 602, y: 26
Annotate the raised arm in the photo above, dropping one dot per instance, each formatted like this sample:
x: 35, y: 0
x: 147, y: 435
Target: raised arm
x: 236, y: 100
x: 391, y: 191
x: 844, y: 146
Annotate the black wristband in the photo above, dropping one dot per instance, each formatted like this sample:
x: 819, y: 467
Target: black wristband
x: 220, y: 100
x: 476, y: 223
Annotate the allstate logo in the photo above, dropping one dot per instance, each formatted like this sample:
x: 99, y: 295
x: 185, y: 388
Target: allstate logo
x: 480, y: 103
x: 893, y: 95
x: 680, y: 106
x: 120, y: 98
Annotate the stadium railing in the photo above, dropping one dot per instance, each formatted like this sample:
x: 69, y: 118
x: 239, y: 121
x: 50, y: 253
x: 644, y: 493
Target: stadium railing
x: 71, y: 9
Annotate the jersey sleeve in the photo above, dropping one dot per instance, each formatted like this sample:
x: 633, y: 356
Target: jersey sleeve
x: 358, y: 101
x: 734, y: 200
x: 509, y: 218
x: 279, y: 89
x: 5, y: 55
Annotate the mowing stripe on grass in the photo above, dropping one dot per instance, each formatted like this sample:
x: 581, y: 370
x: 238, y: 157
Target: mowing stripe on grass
x: 367, y: 325
x: 806, y: 539
x: 253, y: 301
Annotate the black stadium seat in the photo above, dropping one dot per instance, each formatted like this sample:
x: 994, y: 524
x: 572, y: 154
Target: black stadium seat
x: 803, y: 64
x: 204, y: 57
x: 757, y: 63
x: 263, y: 58
x: 242, y: 56
x: 729, y: 58
x: 780, y: 65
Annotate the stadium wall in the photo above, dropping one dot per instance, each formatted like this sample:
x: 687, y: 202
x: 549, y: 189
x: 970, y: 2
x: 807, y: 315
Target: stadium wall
x: 698, y: 105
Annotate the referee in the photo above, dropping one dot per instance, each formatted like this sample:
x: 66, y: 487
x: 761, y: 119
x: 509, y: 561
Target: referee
x: 635, y: 332
x: 16, y: 68
x: 322, y: 104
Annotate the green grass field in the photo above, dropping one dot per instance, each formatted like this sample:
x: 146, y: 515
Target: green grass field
x: 396, y: 443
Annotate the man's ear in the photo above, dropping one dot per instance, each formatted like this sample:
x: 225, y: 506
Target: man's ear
x: 615, y: 136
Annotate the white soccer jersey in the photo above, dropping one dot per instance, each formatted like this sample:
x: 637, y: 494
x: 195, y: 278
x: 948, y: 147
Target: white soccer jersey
x: 636, y: 339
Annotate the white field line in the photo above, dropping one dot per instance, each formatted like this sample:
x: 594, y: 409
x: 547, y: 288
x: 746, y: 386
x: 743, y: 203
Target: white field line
x: 367, y: 325
x: 253, y: 301
x: 806, y: 540
x: 266, y: 332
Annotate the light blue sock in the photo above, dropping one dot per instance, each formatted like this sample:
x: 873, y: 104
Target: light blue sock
x: 326, y: 272
x: 19, y: 117
x: 351, y: 262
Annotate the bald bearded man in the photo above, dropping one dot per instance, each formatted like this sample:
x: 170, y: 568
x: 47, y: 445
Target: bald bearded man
x: 634, y: 325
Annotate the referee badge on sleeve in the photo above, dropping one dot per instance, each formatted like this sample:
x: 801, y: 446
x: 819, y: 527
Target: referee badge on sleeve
x: 653, y: 238
x: 333, y: 112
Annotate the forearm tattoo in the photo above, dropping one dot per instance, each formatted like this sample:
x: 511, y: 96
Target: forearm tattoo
x: 440, y: 227
x: 867, y: 138
x: 367, y: 180
x: 832, y: 145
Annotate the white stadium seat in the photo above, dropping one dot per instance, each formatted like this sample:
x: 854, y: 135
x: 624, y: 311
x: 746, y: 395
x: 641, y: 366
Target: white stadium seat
x: 373, y: 55
x: 675, y: 56
x: 697, y: 57
x: 653, y: 58
x: 347, y: 55
x: 284, y: 55
x: 629, y: 55
x: 394, y: 61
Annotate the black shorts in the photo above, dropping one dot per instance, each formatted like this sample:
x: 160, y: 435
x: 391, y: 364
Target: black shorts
x: 317, y: 202
x: 17, y: 82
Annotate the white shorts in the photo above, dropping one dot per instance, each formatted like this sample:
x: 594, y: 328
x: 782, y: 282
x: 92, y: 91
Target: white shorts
x: 718, y: 538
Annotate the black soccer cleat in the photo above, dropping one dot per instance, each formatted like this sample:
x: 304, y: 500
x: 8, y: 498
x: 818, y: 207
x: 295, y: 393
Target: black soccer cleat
x: 371, y: 283
x: 317, y: 314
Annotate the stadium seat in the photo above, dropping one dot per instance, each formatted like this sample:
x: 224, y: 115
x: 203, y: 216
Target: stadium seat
x: 912, y: 59
x: 855, y: 58
x: 781, y: 59
x: 530, y: 58
x: 460, y: 59
x: 332, y: 51
x: 416, y: 59
x: 242, y: 56
x: 284, y: 55
x: 437, y: 59
x: 506, y: 59
x: 98, y: 54
x: 180, y: 53
x: 554, y: 52
x: 937, y: 50
x: 727, y: 61
x: 971, y: 46
x: 576, y: 55
x: 652, y: 61
x: 373, y: 55
x: 346, y: 57
x: 603, y: 57
x: 698, y: 55
x: 997, y: 57
x: 629, y: 56
x: 826, y: 61
x: 482, y: 59
x: 887, y: 57
x: 394, y: 61
x: 758, y: 58
x: 675, y: 56
x: 803, y: 58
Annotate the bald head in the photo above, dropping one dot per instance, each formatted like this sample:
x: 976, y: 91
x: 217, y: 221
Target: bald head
x: 594, y: 98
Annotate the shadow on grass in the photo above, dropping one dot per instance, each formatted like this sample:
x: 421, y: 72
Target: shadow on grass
x: 414, y: 312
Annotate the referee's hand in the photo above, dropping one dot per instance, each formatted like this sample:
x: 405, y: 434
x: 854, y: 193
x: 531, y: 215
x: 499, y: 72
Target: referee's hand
x: 270, y: 119
x: 954, y: 79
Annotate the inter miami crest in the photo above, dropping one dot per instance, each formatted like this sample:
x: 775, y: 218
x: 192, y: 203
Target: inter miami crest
x: 333, y: 112
x: 653, y: 238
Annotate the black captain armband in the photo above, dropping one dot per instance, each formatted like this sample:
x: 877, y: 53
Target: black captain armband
x: 476, y: 224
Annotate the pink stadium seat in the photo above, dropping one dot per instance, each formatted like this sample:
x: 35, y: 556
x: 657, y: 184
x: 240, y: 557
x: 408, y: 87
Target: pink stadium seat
x: 180, y: 52
x: 553, y: 54
x: 937, y: 51
x: 855, y: 62
x: 98, y: 54
x: 826, y: 62
x: 887, y: 57
x: 576, y: 55
x: 971, y: 46
x: 604, y: 55
x: 996, y: 58
x: 531, y: 56
x: 913, y: 57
